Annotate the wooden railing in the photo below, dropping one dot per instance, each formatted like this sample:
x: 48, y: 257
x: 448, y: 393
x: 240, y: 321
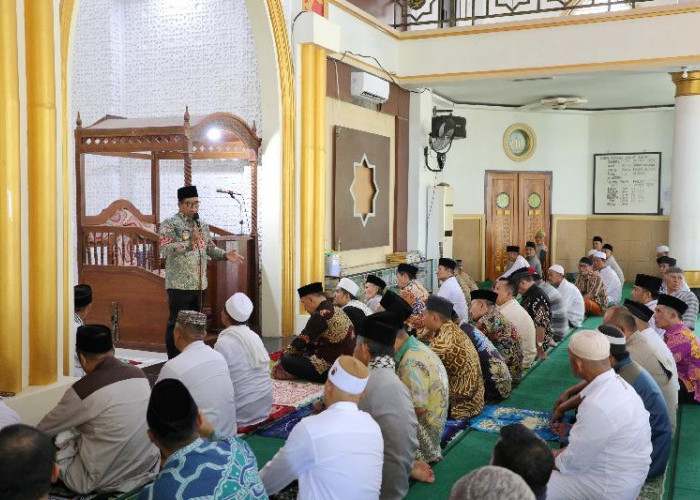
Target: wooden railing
x: 121, y: 246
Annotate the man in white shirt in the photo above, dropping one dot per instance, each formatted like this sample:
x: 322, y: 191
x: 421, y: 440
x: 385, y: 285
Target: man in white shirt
x: 515, y: 260
x: 450, y: 289
x: 203, y: 371
x: 248, y: 362
x: 337, y: 454
x: 646, y: 291
x: 345, y: 297
x: 609, y: 449
x: 654, y: 355
x: 612, y: 263
x: 511, y: 309
x: 575, y: 307
x: 612, y: 282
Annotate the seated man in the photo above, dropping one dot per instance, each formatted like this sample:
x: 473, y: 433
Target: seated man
x: 374, y: 288
x: 459, y: 357
x: 465, y: 281
x: 82, y: 305
x: 522, y: 451
x: 612, y: 283
x: 649, y: 351
x: 612, y: 263
x: 592, y: 288
x: 560, y: 320
x: 106, y: 409
x: 609, y: 449
x: 198, y: 462
x: 541, y: 247
x: 413, y: 292
x: 450, y: 289
x: 683, y: 345
x: 597, y: 244
x: 664, y: 264
x: 662, y: 251
x: 203, y: 371
x: 648, y: 390
x: 345, y: 297
x: 511, y: 309
x: 491, y: 482
x: 388, y: 402
x: 27, y: 463
x: 499, y: 330
x: 515, y: 260
x: 575, y: 308
x: 328, y: 334
x: 537, y: 305
x: 531, y: 257
x: 337, y: 453
x: 675, y: 279
x: 248, y: 362
x: 646, y: 291
x: 497, y: 379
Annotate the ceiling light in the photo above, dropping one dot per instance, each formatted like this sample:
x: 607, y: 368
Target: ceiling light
x: 684, y: 75
x: 214, y: 134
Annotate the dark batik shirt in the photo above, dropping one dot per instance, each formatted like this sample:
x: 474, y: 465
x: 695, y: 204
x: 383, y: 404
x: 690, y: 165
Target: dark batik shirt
x: 537, y: 305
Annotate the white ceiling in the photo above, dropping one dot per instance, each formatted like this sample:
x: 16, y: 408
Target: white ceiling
x: 603, y: 90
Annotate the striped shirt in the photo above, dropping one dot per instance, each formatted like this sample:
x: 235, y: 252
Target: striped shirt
x: 691, y: 314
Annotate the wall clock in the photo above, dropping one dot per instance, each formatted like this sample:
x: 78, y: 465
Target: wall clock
x: 519, y: 142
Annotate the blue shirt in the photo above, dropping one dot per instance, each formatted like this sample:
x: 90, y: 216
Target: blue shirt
x: 648, y: 390
x: 222, y: 468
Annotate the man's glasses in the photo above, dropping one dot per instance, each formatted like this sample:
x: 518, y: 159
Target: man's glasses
x: 191, y: 204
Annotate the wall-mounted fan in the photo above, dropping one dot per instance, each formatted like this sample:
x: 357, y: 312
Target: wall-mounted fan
x: 445, y: 128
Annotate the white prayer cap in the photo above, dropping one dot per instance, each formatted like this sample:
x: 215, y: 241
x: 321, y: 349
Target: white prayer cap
x: 349, y: 286
x: 239, y: 307
x: 557, y: 269
x: 661, y: 249
x: 590, y: 344
x: 345, y: 381
x: 600, y: 255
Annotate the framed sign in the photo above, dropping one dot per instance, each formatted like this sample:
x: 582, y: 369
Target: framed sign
x: 627, y: 183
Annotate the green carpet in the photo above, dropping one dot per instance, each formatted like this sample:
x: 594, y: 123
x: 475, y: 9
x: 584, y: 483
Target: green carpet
x: 264, y: 448
x: 684, y: 482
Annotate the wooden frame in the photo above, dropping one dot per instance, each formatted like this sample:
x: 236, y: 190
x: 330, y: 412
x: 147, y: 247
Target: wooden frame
x: 124, y: 263
x: 658, y: 183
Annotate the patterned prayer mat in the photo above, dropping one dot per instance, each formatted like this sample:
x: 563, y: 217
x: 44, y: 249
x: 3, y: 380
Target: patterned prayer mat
x: 282, y: 427
x: 493, y: 417
x: 452, y: 429
x: 294, y: 393
x: 277, y: 411
x: 653, y: 489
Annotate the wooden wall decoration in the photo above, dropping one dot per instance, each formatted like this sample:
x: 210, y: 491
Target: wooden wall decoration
x: 361, y: 191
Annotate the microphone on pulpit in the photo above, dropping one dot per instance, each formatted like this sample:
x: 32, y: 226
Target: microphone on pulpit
x: 238, y: 198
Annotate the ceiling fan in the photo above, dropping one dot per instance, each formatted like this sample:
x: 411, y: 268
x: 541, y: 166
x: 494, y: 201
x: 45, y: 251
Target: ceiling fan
x: 561, y: 102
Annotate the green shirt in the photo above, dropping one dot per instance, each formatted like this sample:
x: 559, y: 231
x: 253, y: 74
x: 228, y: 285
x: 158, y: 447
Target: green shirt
x: 186, y: 264
x: 421, y: 370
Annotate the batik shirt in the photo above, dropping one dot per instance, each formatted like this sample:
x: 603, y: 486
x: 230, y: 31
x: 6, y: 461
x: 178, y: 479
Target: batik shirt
x: 468, y: 285
x: 420, y: 369
x: 327, y: 335
x: 186, y: 263
x: 415, y: 294
x: 224, y: 467
x: 461, y: 362
x: 497, y: 379
x: 592, y: 283
x: 686, y: 352
x: 536, y: 304
x: 504, y: 336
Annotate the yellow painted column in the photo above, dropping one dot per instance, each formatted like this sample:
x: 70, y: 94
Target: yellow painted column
x: 307, y: 188
x: 320, y: 162
x: 41, y: 178
x: 10, y: 224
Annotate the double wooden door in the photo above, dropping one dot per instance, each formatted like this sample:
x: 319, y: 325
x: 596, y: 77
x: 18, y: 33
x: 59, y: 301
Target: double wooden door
x: 518, y: 205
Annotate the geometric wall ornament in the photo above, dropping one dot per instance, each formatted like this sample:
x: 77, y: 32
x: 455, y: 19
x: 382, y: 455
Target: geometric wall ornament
x: 364, y: 190
x: 519, y: 142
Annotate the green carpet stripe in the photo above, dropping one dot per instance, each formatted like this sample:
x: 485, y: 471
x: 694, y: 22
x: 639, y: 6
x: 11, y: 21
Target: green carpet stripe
x: 669, y: 481
x: 688, y: 458
x: 264, y: 448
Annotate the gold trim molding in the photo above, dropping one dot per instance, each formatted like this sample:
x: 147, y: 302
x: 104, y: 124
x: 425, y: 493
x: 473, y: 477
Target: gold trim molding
x: 690, y: 85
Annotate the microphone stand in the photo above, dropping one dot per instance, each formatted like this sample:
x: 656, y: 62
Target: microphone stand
x: 199, y: 251
x: 241, y: 206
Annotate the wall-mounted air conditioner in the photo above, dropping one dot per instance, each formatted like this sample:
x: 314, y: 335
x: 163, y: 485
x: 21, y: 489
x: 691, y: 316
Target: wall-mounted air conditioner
x: 369, y: 87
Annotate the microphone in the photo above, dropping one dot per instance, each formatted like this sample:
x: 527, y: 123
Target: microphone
x: 195, y: 218
x: 226, y: 191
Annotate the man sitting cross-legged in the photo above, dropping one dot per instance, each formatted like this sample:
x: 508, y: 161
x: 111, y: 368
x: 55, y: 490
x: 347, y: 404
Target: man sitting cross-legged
x: 328, y: 334
x: 338, y: 453
x: 420, y: 369
x: 27, y: 463
x: 203, y: 371
x: 458, y: 355
x: 100, y: 423
x: 609, y: 449
x: 198, y: 462
x: 575, y: 308
x: 388, y: 402
x: 522, y: 451
x: 591, y: 285
x: 248, y: 362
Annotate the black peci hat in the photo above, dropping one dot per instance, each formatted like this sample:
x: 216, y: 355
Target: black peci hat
x: 186, y: 192
x: 305, y: 290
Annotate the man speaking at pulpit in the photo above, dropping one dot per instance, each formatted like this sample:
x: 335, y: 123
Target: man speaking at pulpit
x: 186, y: 244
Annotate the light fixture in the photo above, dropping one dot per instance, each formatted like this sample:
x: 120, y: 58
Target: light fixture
x: 684, y: 75
x: 214, y: 134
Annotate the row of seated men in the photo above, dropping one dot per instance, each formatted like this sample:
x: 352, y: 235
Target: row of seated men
x: 383, y: 343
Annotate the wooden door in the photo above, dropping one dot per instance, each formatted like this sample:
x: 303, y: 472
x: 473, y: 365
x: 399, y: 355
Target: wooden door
x: 517, y: 206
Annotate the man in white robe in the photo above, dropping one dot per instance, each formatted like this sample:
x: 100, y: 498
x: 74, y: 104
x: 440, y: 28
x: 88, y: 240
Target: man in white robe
x: 515, y: 260
x: 450, y: 289
x: 612, y: 282
x: 575, y: 306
